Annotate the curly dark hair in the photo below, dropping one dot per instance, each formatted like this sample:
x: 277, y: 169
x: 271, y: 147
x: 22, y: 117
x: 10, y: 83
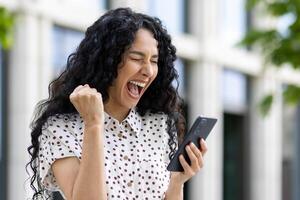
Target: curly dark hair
x: 95, y: 62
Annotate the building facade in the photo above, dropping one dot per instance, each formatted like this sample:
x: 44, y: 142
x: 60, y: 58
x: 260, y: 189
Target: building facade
x: 249, y: 157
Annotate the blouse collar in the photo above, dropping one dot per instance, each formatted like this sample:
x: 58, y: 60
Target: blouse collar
x: 133, y: 119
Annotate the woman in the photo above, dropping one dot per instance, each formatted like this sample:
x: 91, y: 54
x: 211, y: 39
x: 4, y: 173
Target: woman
x: 112, y: 119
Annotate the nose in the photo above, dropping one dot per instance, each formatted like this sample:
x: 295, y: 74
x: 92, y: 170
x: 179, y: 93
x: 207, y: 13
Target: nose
x: 147, y: 69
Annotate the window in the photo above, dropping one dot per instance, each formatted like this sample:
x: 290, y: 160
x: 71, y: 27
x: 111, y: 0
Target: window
x: 236, y: 136
x: 65, y: 42
x: 290, y: 153
x: 171, y: 12
x: 180, y: 67
x: 233, y: 21
x: 105, y: 4
x: 234, y: 91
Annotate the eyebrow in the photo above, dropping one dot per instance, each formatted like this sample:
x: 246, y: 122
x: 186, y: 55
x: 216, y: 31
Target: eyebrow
x: 142, y: 54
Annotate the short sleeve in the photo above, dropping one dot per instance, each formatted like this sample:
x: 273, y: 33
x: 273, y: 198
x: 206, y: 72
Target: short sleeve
x: 59, y: 139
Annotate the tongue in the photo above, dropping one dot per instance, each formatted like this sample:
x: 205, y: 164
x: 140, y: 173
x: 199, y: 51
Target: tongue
x: 133, y: 89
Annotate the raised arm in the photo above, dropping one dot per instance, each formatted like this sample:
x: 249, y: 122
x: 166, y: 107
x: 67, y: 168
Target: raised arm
x: 85, y: 179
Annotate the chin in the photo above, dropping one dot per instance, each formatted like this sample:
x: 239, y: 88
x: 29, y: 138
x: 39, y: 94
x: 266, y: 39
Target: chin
x: 130, y: 103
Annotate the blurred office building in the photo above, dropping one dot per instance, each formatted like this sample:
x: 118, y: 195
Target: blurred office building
x: 249, y: 157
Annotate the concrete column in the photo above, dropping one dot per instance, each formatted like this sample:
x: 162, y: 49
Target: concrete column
x: 265, y: 141
x: 204, y: 98
x: 45, y: 57
x: 22, y: 95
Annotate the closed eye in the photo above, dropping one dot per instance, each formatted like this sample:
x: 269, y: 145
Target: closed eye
x: 142, y: 60
x: 137, y: 59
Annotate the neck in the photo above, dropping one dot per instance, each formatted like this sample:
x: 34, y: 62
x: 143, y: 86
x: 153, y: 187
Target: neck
x: 119, y: 113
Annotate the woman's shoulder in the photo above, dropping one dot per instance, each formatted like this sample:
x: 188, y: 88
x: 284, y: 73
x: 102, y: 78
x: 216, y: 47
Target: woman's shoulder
x: 63, y: 119
x: 69, y: 122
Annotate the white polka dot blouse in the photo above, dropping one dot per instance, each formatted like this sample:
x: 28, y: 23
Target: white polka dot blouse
x: 136, y: 153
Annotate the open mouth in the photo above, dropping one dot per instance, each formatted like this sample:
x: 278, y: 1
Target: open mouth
x: 135, y: 88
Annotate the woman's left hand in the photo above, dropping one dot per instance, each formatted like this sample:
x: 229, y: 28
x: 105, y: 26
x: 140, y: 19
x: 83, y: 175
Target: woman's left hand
x: 197, y: 162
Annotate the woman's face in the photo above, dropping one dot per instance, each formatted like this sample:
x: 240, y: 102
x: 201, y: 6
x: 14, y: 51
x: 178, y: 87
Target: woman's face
x: 136, y: 72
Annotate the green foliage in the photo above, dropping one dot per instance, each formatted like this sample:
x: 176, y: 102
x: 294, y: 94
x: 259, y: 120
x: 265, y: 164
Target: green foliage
x: 251, y: 4
x: 292, y: 94
x: 278, y: 47
x: 278, y: 8
x: 6, y: 28
x: 265, y: 104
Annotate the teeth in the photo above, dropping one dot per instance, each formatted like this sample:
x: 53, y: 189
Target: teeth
x: 138, y: 84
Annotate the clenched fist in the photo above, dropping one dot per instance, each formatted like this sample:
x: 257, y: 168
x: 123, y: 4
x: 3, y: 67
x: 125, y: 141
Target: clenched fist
x: 88, y: 102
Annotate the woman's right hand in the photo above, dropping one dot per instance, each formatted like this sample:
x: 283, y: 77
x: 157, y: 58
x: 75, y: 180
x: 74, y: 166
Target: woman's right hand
x: 88, y: 102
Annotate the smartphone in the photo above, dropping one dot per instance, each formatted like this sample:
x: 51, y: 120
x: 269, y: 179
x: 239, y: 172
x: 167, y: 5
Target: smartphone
x: 200, y: 129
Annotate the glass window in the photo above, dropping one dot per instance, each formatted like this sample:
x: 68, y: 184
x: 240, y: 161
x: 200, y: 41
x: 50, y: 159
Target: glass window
x: 236, y: 174
x: 105, y: 4
x: 65, y: 42
x: 171, y: 12
x: 233, y: 21
x: 180, y: 67
x: 236, y: 148
x: 234, y: 91
x: 290, y: 153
